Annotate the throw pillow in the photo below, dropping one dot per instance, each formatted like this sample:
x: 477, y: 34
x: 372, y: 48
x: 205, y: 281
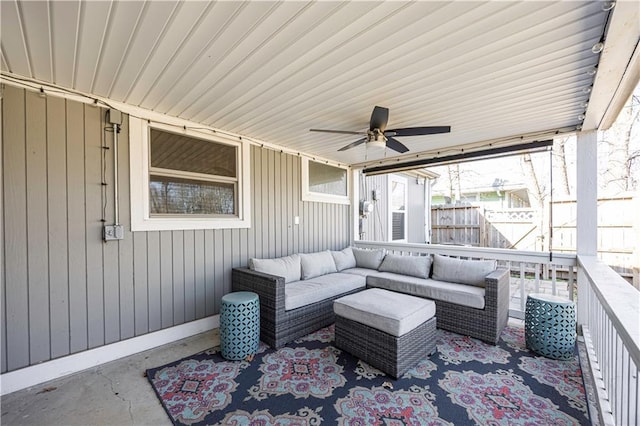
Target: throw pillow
x: 415, y: 266
x: 287, y: 267
x: 368, y: 258
x: 344, y: 259
x: 316, y: 264
x: 461, y: 271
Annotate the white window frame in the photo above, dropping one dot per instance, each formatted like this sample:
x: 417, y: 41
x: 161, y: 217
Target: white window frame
x: 308, y: 195
x: 141, y: 220
x: 405, y: 182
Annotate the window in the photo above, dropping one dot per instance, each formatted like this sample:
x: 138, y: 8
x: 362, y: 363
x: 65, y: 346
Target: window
x: 398, y: 208
x: 324, y: 183
x: 183, y: 179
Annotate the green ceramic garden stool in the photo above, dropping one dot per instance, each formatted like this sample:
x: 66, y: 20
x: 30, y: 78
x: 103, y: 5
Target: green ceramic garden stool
x: 550, y: 326
x: 239, y: 325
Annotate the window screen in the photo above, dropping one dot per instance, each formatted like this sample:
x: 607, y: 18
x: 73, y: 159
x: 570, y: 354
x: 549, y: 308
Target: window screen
x: 190, y: 176
x: 326, y: 179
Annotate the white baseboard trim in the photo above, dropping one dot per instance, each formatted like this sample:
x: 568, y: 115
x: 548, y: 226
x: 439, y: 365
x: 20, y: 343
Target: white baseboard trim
x: 36, y: 374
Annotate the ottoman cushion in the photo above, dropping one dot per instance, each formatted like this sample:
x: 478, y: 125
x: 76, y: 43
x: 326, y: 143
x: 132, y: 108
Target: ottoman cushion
x: 379, y: 309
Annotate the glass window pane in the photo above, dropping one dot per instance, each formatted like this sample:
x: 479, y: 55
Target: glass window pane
x: 179, y: 152
x: 397, y: 195
x: 327, y: 179
x: 172, y: 195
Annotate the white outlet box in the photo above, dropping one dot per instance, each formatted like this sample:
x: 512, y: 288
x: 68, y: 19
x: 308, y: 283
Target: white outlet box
x: 113, y: 232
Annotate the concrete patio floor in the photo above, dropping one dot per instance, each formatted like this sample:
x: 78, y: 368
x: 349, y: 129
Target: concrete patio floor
x: 116, y: 393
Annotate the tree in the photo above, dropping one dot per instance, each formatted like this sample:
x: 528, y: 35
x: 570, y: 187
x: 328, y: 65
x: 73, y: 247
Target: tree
x: 560, y: 156
x: 620, y: 145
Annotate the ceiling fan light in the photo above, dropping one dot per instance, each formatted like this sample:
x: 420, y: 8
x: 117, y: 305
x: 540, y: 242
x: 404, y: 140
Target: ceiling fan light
x: 379, y: 143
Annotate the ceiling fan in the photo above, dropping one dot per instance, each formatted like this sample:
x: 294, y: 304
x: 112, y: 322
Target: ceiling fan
x: 378, y: 136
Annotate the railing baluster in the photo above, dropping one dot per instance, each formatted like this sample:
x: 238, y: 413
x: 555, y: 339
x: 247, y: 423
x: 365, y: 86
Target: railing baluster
x: 522, y: 289
x: 571, y: 283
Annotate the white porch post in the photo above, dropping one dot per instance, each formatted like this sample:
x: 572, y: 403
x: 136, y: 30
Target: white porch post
x: 587, y: 209
x: 355, y: 205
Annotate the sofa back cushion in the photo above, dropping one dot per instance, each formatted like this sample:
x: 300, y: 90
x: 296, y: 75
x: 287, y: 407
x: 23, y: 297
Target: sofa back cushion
x: 415, y: 266
x: 287, y: 267
x: 472, y: 272
x: 368, y: 258
x: 316, y: 264
x: 344, y: 259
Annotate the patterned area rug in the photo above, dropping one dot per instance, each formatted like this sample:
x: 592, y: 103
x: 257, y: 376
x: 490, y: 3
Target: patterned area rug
x: 310, y: 382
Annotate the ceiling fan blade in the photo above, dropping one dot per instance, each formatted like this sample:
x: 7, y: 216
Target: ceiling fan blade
x: 379, y: 118
x: 418, y: 131
x: 353, y: 144
x: 395, y: 145
x: 342, y: 132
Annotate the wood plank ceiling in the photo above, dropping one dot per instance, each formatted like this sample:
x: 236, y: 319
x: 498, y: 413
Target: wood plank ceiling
x: 272, y: 70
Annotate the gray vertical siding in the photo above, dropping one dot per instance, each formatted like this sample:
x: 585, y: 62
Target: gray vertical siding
x: 415, y: 208
x: 376, y: 223
x: 66, y: 291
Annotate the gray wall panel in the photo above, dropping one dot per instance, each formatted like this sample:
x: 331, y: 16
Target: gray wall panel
x: 58, y: 247
x: 374, y: 225
x: 37, y: 228
x: 111, y: 292
x: 125, y: 247
x: 415, y: 210
x: 276, y: 223
x: 218, y: 282
x: 166, y: 278
x: 65, y: 290
x: 178, y: 276
x: 93, y: 208
x: 154, y: 283
x: 210, y: 273
x: 141, y: 297
x: 76, y: 233
x: 189, y: 276
x: 15, y: 228
x: 199, y: 265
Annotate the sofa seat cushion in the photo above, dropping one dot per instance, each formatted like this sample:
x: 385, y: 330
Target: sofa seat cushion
x: 460, y: 294
x: 363, y: 272
x: 388, y: 311
x: 302, y: 293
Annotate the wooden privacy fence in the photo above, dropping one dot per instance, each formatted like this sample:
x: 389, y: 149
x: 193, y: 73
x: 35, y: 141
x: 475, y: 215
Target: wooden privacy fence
x: 474, y: 226
x: 618, y: 231
x: 527, y: 229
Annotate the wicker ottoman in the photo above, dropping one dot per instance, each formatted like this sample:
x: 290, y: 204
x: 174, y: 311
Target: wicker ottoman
x: 390, y: 331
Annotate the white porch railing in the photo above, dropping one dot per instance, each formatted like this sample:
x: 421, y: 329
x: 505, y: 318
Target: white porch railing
x: 531, y: 272
x: 609, y: 312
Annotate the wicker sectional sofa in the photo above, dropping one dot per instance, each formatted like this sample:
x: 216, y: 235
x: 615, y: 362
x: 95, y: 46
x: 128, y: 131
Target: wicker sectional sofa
x: 297, y: 292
